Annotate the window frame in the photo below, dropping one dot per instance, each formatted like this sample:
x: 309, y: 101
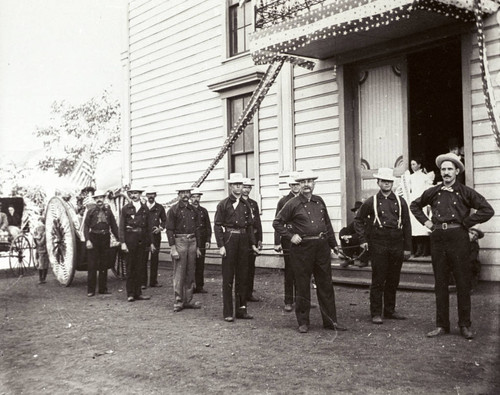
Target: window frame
x: 227, y: 30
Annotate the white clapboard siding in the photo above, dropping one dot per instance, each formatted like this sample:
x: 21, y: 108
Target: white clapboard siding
x: 317, y: 133
x: 486, y: 154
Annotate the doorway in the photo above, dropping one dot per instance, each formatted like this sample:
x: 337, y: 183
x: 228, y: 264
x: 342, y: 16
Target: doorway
x: 435, y: 111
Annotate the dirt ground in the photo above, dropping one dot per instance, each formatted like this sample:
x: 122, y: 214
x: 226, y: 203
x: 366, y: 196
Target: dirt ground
x: 56, y: 340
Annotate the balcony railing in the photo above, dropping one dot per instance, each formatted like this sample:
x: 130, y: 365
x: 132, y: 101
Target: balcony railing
x: 271, y: 12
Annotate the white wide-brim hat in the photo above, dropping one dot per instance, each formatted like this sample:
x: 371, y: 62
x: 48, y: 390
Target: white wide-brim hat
x: 384, y: 173
x: 452, y: 158
x: 134, y: 188
x: 292, y: 178
x: 184, y: 187
x: 149, y: 191
x: 235, y: 178
x: 196, y: 191
x: 306, y: 175
x: 248, y: 181
x: 99, y: 193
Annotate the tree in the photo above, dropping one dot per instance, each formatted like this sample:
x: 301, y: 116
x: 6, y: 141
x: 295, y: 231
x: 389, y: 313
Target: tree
x: 89, y: 130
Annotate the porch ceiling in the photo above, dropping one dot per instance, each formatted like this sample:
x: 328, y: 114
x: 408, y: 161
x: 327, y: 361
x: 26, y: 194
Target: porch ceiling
x: 347, y: 25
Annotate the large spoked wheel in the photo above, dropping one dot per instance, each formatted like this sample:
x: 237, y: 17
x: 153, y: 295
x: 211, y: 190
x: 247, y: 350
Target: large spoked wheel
x: 61, y: 240
x: 119, y: 268
x: 20, y: 255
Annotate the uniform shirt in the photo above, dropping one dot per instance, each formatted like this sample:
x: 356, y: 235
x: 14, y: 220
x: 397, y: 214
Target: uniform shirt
x: 257, y: 224
x: 182, y: 219
x: 453, y: 207
x: 135, y: 219
x: 205, y: 225
x: 281, y: 203
x: 157, y: 216
x: 305, y: 218
x: 99, y: 219
x: 388, y: 214
x: 229, y: 217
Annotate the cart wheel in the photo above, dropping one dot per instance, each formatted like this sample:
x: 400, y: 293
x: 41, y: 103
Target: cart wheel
x: 61, y: 240
x: 119, y: 268
x: 20, y: 255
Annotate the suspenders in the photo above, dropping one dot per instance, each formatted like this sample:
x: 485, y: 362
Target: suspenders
x: 376, y: 220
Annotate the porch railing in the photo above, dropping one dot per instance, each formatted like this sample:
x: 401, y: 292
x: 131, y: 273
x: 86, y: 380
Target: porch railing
x: 271, y: 12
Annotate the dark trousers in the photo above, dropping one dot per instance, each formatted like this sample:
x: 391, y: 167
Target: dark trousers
x: 98, y: 261
x: 450, y: 250
x: 289, y: 278
x: 153, y: 270
x: 387, y: 254
x: 199, y: 274
x: 234, y: 269
x: 251, y: 273
x: 135, y: 260
x: 308, y: 258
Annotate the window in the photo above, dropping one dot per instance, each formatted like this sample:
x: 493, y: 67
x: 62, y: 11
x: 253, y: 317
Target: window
x: 240, y: 26
x: 242, y: 151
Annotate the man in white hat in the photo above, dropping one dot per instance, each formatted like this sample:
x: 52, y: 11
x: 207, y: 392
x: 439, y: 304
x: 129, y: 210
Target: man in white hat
x: 305, y: 221
x: 183, y: 224
x: 451, y: 203
x: 157, y: 221
x: 233, y: 228
x: 383, y: 226
x: 99, y: 223
x: 135, y: 239
x: 205, y: 238
x: 282, y: 243
x: 257, y: 230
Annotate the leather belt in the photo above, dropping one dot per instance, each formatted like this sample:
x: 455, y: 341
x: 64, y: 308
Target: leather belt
x: 186, y: 235
x: 321, y: 236
x: 99, y: 232
x: 134, y: 230
x: 445, y: 226
x: 236, y: 230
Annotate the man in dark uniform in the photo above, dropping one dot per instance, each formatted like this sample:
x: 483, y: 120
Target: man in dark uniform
x: 135, y: 239
x: 383, y: 226
x: 349, y: 241
x: 282, y: 243
x: 234, y: 235
x: 183, y: 232
x: 257, y: 230
x: 99, y: 223
x: 305, y: 221
x: 205, y: 238
x: 157, y: 220
x: 451, y: 203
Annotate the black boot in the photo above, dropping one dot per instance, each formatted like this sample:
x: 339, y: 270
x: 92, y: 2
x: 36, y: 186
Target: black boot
x: 40, y: 276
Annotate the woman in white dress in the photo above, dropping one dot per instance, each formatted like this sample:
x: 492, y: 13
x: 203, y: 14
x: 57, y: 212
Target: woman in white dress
x: 419, y: 181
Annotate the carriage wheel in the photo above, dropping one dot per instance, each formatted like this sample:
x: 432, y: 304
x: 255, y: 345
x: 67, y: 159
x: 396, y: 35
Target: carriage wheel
x: 119, y: 268
x: 61, y: 240
x: 20, y: 255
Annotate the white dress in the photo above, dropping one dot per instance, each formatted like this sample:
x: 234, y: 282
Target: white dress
x: 418, y: 183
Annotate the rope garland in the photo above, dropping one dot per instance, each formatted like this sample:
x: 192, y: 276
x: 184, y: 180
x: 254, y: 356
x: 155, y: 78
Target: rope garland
x: 488, y: 92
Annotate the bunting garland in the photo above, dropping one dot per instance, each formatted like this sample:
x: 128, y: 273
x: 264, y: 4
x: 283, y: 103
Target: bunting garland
x: 488, y: 91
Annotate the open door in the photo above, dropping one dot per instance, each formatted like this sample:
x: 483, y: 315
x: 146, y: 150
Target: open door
x: 380, y: 121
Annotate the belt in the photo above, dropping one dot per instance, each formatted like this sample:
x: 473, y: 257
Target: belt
x: 186, y: 235
x: 99, y: 232
x: 236, y: 230
x: 135, y: 230
x: 445, y: 226
x: 321, y: 236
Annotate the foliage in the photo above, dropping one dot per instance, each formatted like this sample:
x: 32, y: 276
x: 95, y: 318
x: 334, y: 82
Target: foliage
x: 89, y: 130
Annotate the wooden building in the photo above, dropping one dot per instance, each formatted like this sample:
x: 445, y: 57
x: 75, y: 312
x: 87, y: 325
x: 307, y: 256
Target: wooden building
x: 391, y: 80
